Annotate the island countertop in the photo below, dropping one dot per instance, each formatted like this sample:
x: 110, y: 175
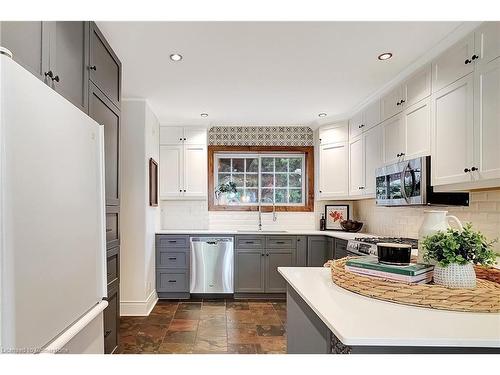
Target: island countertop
x: 361, y: 321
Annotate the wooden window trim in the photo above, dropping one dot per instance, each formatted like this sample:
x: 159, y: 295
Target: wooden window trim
x: 308, y: 152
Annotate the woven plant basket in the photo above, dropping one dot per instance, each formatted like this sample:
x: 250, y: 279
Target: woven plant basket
x: 484, y: 298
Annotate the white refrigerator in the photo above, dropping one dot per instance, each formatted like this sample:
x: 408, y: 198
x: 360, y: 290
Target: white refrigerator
x: 52, y: 223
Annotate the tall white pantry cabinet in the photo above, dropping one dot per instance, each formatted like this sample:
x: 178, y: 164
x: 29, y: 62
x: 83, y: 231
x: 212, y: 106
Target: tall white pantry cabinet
x: 183, y: 163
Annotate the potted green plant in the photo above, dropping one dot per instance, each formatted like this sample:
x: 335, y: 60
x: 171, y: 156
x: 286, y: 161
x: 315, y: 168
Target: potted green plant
x: 455, y: 252
x: 222, y: 190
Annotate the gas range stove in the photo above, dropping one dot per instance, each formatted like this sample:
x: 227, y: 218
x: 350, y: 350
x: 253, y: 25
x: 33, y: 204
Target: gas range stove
x: 368, y: 245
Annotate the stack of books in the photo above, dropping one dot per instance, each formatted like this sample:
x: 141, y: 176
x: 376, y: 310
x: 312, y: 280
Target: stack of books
x: 369, y: 266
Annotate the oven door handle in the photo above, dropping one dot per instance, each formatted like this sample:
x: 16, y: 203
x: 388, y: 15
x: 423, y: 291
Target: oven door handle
x: 403, y: 184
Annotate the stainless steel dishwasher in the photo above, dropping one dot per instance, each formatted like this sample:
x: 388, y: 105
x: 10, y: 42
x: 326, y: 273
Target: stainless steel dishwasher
x: 212, y: 265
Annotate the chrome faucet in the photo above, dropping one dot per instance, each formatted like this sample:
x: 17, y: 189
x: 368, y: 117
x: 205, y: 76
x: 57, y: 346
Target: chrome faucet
x: 260, y: 213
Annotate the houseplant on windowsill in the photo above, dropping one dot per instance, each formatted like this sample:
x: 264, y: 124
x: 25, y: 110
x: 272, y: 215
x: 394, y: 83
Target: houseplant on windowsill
x: 455, y: 252
x: 222, y: 191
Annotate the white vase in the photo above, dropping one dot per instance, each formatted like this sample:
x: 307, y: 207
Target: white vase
x: 455, y: 275
x: 434, y: 221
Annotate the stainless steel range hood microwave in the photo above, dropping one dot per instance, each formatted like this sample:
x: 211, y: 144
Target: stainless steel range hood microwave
x: 408, y: 183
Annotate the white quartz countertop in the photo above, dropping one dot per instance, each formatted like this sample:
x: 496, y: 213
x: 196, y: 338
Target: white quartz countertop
x: 336, y: 234
x: 359, y: 321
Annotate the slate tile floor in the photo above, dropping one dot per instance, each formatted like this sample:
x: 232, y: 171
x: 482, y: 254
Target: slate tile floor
x: 207, y: 326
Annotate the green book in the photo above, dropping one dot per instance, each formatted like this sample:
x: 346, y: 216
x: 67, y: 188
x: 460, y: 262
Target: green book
x: 371, y: 263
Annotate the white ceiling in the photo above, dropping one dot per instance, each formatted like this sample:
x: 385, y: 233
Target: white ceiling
x: 263, y: 72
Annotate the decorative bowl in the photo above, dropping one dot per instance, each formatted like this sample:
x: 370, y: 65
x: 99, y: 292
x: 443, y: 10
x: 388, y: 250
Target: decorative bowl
x: 351, y: 225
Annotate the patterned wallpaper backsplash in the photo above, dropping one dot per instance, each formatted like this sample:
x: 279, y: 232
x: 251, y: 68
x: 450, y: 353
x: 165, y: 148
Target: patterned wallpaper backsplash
x: 260, y: 136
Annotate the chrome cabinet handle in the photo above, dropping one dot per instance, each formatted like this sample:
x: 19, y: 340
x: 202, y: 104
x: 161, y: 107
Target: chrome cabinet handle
x: 93, y: 67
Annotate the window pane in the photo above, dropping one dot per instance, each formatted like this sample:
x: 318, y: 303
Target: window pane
x: 251, y: 196
x: 281, y: 195
x: 234, y: 198
x: 267, y: 165
x: 238, y: 165
x: 267, y: 195
x: 238, y: 179
x: 267, y: 180
x: 295, y: 196
x: 295, y: 180
x: 224, y: 165
x: 281, y: 180
x: 281, y: 164
x: 252, y: 180
x: 252, y: 165
x: 224, y: 178
x: 295, y: 165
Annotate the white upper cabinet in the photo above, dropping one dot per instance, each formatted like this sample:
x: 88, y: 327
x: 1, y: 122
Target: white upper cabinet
x: 390, y: 104
x: 171, y: 171
x: 417, y: 129
x: 373, y: 157
x: 356, y: 125
x: 333, y: 133
x: 417, y: 87
x: 455, y: 63
x: 452, y: 132
x: 333, y: 170
x: 487, y: 42
x: 171, y: 135
x: 371, y: 115
x: 195, y: 171
x: 487, y: 121
x: 356, y: 166
x: 394, y: 139
x: 195, y: 136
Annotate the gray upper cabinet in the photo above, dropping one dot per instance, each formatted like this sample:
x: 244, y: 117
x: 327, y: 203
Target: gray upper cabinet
x: 104, y: 66
x: 29, y: 43
x: 105, y: 113
x: 69, y: 58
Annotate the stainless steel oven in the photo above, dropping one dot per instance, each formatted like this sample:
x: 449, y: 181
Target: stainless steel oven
x: 409, y: 183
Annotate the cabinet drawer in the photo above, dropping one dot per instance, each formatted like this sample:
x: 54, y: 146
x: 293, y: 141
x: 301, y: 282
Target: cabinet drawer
x: 249, y: 242
x: 111, y: 229
x: 111, y: 317
x: 172, y: 259
x: 113, y: 267
x: 172, y: 281
x: 281, y: 242
x: 168, y: 241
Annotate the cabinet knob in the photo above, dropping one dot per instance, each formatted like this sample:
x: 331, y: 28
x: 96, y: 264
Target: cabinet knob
x: 320, y: 191
x: 473, y: 169
x: 56, y: 78
x: 49, y: 74
x: 184, y: 139
x: 180, y: 191
x: 398, y: 103
x: 402, y: 101
x: 474, y: 57
x: 466, y: 170
x: 262, y: 255
x: 107, y: 333
x: 467, y: 61
x: 184, y: 190
x: 93, y: 67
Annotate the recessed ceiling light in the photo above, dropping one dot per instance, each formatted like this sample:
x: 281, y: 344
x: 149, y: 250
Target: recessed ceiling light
x: 385, y: 56
x: 322, y: 114
x: 204, y: 114
x: 175, y: 57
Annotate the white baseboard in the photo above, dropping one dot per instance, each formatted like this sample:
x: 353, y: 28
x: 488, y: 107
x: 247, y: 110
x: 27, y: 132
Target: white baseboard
x: 139, y: 308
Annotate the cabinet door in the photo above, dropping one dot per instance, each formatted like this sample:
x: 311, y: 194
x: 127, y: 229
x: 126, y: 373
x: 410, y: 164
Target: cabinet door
x: 111, y: 318
x: 372, y: 115
x: 394, y: 137
x: 356, y: 173
x: 356, y: 125
x: 105, y: 113
x: 105, y: 68
x: 453, y: 64
x: 452, y: 132
x: 171, y: 176
x: 29, y: 44
x: 195, y: 171
x: 487, y: 120
x: 69, y: 46
x: 487, y: 42
x: 417, y: 87
x: 171, y: 135
x: 334, y: 170
x: 317, y: 251
x: 275, y: 283
x: 334, y: 133
x: 195, y: 136
x: 373, y: 157
x: 249, y: 273
x: 417, y: 129
x: 389, y: 103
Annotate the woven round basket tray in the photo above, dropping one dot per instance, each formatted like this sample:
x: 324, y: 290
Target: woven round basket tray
x: 484, y: 298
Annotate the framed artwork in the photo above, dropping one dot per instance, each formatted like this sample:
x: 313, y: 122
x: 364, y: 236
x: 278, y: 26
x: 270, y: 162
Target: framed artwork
x: 334, y: 214
x: 153, y: 183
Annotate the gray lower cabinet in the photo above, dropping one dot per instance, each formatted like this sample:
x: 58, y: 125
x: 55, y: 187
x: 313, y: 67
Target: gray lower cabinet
x: 340, y: 248
x: 29, y: 43
x: 274, y: 282
x: 249, y: 271
x: 301, y: 252
x: 172, y: 266
x: 111, y: 318
x: 317, y: 251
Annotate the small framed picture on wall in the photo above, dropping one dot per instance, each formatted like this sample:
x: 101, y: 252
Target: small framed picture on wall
x: 153, y: 183
x: 334, y: 214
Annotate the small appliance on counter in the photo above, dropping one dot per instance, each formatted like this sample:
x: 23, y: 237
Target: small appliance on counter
x: 368, y: 245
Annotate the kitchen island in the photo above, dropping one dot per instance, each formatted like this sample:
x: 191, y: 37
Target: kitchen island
x: 325, y: 318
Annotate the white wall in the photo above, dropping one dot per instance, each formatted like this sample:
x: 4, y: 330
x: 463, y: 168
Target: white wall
x: 138, y: 221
